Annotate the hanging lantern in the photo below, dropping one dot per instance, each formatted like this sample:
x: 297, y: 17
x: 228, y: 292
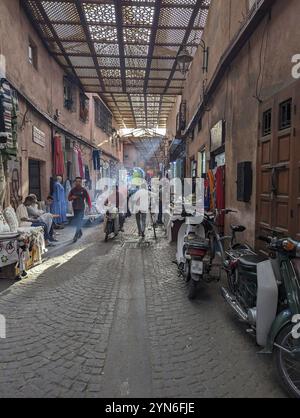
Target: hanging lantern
x: 184, y: 60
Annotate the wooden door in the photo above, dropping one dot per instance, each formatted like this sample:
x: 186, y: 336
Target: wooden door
x: 35, y: 178
x: 296, y: 154
x: 276, y: 166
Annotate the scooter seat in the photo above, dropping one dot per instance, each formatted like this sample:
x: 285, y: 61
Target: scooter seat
x: 250, y: 262
x: 197, y: 243
x: 238, y: 228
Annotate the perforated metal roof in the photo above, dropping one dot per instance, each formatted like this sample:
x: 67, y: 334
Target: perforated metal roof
x: 123, y: 50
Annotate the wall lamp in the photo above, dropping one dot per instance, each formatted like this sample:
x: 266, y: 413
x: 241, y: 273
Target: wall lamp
x: 205, y: 50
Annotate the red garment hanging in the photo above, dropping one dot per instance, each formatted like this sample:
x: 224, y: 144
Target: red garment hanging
x: 80, y: 161
x: 59, y: 161
x: 220, y: 193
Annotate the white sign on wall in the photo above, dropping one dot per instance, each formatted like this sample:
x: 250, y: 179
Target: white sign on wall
x: 217, y: 136
x: 38, y: 136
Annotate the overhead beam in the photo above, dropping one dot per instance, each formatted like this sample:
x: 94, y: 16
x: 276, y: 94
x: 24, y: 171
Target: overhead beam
x: 198, y: 6
x: 55, y: 37
x: 84, y: 54
x: 132, y: 110
x: 119, y: 19
x: 84, y: 24
x: 114, y: 25
x: 144, y: 3
x: 156, y: 16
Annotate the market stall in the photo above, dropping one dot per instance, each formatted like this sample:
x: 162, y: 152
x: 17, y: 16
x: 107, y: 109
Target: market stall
x: 20, y: 248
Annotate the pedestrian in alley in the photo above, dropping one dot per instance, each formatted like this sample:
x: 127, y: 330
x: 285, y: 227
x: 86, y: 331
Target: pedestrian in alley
x: 79, y: 197
x: 139, y: 205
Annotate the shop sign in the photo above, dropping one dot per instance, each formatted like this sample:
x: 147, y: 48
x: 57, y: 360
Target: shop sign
x: 217, y: 136
x: 38, y: 137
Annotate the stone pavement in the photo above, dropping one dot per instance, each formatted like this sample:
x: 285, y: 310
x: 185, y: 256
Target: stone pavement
x: 113, y: 320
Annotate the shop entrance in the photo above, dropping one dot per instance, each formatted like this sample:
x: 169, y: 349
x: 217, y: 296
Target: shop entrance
x: 278, y: 188
x: 35, y: 178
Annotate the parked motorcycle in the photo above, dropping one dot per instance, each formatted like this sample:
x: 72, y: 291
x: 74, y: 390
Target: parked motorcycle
x: 228, y: 248
x: 265, y: 293
x: 111, y: 223
x: 192, y: 253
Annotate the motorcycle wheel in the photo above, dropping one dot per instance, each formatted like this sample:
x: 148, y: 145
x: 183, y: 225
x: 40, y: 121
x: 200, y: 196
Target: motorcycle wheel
x: 187, y: 271
x: 288, y: 367
x: 193, y: 286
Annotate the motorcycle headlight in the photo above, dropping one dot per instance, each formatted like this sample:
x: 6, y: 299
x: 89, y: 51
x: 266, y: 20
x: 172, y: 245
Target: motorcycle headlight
x: 289, y: 245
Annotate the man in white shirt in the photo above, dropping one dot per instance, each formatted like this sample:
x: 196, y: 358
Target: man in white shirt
x: 139, y: 206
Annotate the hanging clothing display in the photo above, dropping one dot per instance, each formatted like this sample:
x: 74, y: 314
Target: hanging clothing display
x: 80, y: 161
x: 220, y: 193
x: 68, y: 188
x: 97, y: 160
x: 13, y: 150
x: 59, y: 158
x: 207, y: 201
x: 87, y: 177
x: 5, y: 114
x: 211, y: 180
x: 9, y: 108
x: 87, y: 173
x: 59, y: 206
x: 2, y: 182
x: 77, y: 163
x: 69, y: 170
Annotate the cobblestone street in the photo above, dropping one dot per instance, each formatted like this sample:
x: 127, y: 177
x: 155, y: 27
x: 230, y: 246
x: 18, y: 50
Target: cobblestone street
x: 113, y: 320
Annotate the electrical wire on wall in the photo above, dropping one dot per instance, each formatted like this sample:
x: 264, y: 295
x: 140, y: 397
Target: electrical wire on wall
x: 262, y: 60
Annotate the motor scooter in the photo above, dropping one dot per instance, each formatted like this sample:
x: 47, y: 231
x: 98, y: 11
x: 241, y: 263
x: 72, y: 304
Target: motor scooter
x: 265, y: 294
x: 192, y: 249
x: 111, y: 223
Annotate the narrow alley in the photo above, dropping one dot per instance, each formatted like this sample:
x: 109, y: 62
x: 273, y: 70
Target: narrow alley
x: 122, y: 326
x: 149, y: 201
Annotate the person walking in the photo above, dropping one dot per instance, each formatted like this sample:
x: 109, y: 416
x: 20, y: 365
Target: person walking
x: 140, y: 207
x: 79, y: 197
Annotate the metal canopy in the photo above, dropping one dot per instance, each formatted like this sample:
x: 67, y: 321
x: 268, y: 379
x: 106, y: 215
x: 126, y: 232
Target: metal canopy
x: 124, y: 50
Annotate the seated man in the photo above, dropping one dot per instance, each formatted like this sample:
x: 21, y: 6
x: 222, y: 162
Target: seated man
x: 38, y: 218
x: 48, y: 204
x: 42, y: 215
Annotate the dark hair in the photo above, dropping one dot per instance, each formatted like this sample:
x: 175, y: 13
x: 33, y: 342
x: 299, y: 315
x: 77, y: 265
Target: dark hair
x: 28, y: 201
x: 78, y: 178
x: 50, y: 198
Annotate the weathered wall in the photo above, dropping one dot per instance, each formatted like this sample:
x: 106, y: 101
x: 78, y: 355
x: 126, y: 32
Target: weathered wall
x: 262, y: 68
x: 44, y: 87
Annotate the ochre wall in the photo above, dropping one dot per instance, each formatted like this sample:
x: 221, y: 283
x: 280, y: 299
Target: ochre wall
x: 44, y: 87
x: 265, y: 61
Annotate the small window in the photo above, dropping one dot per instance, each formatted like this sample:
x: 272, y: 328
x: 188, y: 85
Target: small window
x: 285, y: 115
x: 69, y: 95
x: 103, y: 117
x: 267, y: 122
x: 32, y: 54
x: 84, y: 103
